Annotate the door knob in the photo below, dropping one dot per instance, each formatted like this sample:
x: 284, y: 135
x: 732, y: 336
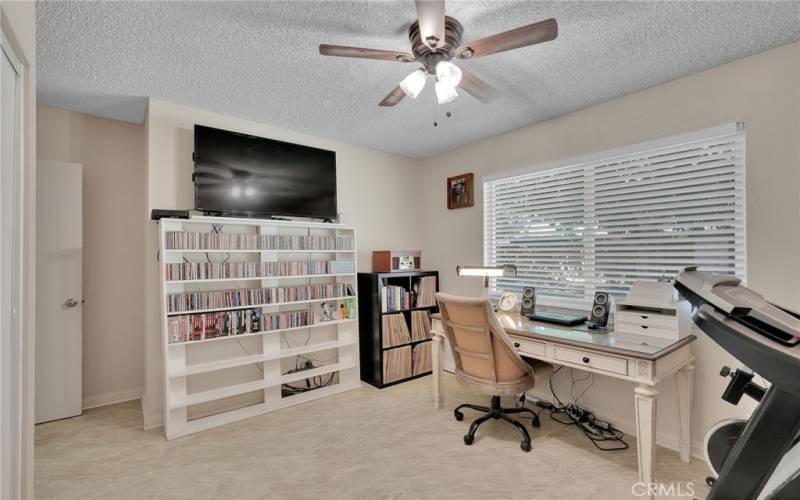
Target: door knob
x: 71, y: 302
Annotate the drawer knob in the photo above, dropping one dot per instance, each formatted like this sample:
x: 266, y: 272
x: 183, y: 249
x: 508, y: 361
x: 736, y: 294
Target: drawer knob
x: 645, y: 327
x: 516, y: 344
x: 585, y: 359
x: 645, y: 317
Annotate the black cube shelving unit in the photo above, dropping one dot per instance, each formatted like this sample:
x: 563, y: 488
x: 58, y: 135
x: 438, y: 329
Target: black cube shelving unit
x: 370, y: 321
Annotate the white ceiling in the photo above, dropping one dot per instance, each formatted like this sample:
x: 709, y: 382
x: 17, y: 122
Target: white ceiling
x: 259, y: 61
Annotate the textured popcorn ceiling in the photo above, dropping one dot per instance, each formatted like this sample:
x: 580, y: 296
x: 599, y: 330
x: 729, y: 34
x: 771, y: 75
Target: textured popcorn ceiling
x: 259, y: 61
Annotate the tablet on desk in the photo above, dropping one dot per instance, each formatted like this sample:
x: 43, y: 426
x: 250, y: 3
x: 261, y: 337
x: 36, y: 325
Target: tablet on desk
x: 557, y: 318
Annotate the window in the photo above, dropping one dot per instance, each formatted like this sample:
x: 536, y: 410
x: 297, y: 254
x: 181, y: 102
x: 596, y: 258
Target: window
x: 599, y: 223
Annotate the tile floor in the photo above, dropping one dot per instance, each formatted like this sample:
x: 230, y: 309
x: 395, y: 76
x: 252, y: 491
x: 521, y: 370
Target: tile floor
x: 362, y: 444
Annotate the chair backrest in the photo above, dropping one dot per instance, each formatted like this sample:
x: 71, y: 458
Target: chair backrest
x: 482, y: 351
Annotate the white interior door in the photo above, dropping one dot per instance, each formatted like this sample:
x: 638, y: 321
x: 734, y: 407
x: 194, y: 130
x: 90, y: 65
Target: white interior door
x: 10, y: 291
x: 59, y: 289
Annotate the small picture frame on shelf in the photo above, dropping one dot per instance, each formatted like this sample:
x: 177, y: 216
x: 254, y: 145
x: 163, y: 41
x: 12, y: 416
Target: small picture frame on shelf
x: 460, y: 191
x: 327, y: 314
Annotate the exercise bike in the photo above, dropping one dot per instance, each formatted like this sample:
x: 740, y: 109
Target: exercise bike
x: 759, y: 457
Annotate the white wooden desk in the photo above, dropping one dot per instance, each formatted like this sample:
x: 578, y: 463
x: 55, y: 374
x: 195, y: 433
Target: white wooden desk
x: 636, y: 358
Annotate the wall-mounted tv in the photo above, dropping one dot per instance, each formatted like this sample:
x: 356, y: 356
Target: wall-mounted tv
x: 238, y: 174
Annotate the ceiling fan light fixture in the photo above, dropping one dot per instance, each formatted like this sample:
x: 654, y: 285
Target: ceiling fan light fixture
x: 448, y: 73
x: 445, y: 93
x: 413, y: 84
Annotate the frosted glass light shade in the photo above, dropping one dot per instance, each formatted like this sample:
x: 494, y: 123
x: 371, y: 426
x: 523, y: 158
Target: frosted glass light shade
x: 413, y: 84
x: 448, y: 73
x: 445, y: 93
x: 506, y: 270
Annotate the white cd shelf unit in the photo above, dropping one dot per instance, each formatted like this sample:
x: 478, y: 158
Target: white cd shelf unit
x: 285, y: 339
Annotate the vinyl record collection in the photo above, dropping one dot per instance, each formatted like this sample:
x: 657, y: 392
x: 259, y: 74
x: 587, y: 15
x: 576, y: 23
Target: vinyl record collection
x: 421, y: 358
x: 396, y: 364
x: 420, y: 325
x: 425, y: 291
x: 180, y: 240
x: 252, y: 269
x: 395, y: 330
x: 217, y: 299
x: 223, y: 324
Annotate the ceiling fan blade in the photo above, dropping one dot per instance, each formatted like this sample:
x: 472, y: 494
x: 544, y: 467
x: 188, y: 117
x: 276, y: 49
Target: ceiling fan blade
x: 477, y: 88
x: 540, y: 32
x: 395, y: 96
x: 430, y: 14
x: 362, y: 53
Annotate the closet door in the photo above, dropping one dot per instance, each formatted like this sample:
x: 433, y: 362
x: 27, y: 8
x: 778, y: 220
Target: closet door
x: 59, y: 289
x: 10, y: 291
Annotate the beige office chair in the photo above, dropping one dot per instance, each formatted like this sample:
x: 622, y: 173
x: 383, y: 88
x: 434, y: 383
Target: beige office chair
x: 487, y: 362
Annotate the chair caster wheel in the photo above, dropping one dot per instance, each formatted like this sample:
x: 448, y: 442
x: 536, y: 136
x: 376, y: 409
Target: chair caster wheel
x: 535, y: 422
x: 459, y: 416
x: 526, y: 447
x: 468, y: 440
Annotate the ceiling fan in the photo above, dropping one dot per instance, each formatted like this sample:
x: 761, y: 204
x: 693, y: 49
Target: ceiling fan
x: 435, y: 43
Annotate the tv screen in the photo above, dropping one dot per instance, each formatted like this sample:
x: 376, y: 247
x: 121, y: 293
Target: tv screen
x: 241, y: 174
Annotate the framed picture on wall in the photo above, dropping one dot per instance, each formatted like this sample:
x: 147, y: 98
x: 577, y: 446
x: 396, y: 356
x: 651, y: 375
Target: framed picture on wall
x: 460, y: 191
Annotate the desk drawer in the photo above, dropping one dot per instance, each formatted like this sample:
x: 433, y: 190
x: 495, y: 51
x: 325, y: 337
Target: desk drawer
x: 647, y: 318
x: 532, y: 347
x: 670, y: 332
x: 592, y: 360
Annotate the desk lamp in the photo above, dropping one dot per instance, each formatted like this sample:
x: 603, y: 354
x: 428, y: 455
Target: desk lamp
x: 508, y: 270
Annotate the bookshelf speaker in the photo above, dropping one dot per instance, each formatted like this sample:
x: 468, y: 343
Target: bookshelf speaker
x: 599, y: 314
x: 528, y: 303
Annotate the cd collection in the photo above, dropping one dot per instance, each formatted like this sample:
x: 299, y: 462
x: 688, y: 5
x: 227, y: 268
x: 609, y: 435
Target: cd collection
x: 190, y: 301
x: 395, y: 298
x: 252, y: 269
x: 224, y: 324
x: 181, y: 240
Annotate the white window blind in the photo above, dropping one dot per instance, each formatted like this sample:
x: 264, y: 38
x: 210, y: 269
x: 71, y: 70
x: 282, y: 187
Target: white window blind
x: 637, y: 213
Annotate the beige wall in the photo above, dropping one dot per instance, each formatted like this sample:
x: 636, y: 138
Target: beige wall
x: 762, y: 90
x: 113, y: 157
x: 377, y: 194
x: 18, y: 20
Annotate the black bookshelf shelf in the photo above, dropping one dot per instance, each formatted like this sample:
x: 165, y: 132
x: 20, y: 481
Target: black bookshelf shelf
x: 370, y: 315
x: 424, y: 308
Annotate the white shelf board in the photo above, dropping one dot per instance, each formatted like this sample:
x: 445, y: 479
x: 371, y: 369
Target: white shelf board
x: 322, y: 370
x: 258, y: 278
x: 194, y: 250
x: 215, y: 394
x: 256, y: 385
x: 315, y: 325
x: 257, y: 358
x: 259, y: 306
x: 304, y: 397
x: 211, y: 421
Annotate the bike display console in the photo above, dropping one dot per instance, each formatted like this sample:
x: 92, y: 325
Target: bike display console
x: 766, y: 338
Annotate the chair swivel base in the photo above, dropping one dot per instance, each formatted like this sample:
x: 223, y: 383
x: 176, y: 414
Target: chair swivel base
x: 496, y: 412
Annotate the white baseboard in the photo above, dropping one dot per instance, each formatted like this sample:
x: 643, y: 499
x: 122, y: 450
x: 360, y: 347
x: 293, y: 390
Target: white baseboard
x: 111, y: 398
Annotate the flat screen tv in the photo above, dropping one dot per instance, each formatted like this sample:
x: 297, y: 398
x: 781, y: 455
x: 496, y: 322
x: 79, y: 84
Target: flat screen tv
x: 238, y: 174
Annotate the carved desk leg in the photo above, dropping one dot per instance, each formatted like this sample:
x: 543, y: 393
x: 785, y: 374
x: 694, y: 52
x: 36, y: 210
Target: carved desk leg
x: 684, y: 386
x: 645, y: 397
x: 438, y: 360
